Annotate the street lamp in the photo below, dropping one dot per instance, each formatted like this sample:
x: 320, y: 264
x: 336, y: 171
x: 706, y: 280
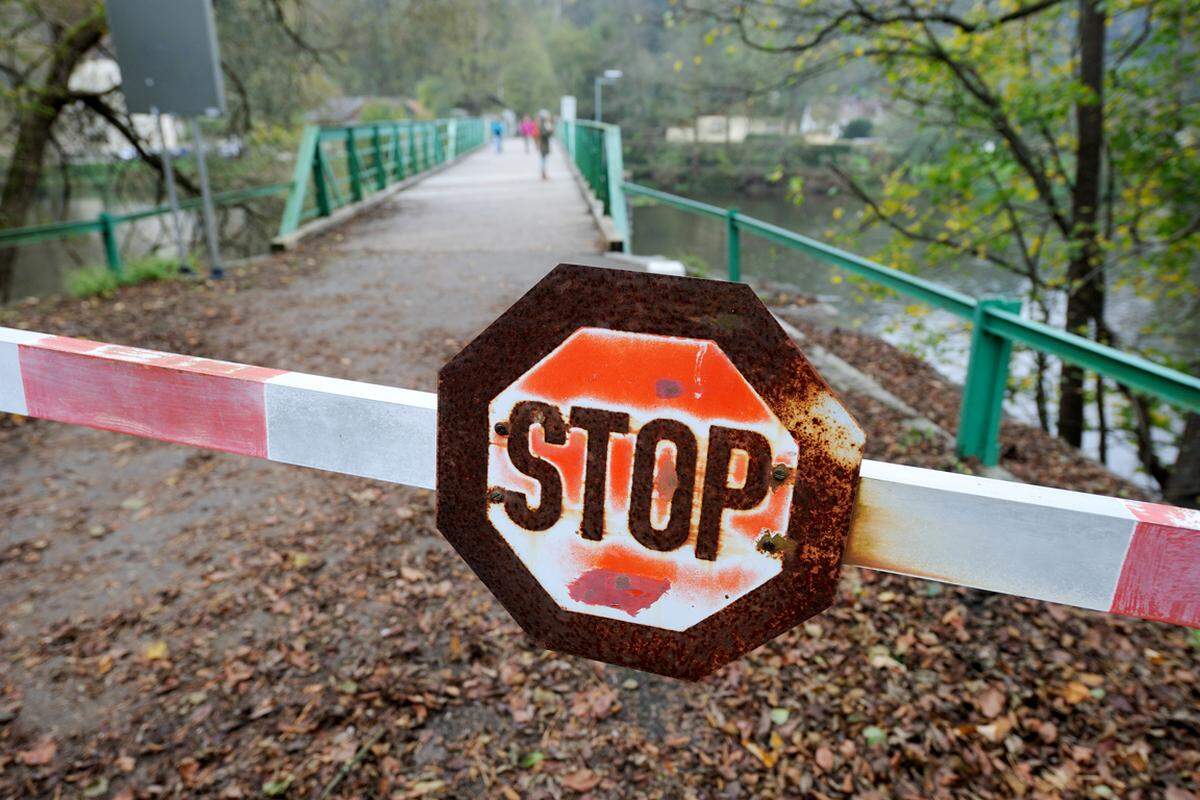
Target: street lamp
x: 609, y: 76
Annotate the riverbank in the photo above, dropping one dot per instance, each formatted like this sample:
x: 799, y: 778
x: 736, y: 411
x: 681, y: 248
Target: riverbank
x: 183, y: 623
x: 759, y: 167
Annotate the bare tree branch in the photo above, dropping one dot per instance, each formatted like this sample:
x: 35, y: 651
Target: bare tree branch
x: 96, y: 103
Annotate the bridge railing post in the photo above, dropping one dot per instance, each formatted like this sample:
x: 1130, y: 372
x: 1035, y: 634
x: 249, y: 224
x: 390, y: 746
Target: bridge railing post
x: 356, y: 190
x: 377, y: 147
x: 615, y: 163
x: 306, y: 163
x: 733, y: 245
x: 410, y: 142
x: 112, y: 250
x: 318, y: 175
x: 983, y: 390
x: 397, y: 155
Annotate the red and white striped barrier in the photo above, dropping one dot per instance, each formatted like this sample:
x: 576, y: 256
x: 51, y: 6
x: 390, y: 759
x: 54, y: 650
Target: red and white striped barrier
x: 1090, y: 551
x: 342, y: 426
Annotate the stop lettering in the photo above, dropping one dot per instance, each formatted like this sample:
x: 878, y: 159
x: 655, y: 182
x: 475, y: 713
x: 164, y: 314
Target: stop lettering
x: 640, y: 477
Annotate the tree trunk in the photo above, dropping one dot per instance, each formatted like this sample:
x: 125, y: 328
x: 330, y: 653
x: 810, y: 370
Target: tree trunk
x: 1085, y: 299
x: 39, y: 110
x: 1101, y: 420
x: 20, y: 182
x: 1183, y: 488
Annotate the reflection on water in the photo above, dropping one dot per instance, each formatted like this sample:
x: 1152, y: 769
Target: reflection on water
x: 937, y: 336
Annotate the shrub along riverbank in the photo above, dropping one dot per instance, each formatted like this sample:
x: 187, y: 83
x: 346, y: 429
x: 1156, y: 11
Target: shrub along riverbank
x: 760, y: 165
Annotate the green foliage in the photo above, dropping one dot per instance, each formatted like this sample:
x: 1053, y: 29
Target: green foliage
x: 93, y: 281
x: 1017, y: 160
x: 695, y: 265
x: 381, y: 111
x: 858, y: 128
x: 99, y: 281
x: 149, y: 268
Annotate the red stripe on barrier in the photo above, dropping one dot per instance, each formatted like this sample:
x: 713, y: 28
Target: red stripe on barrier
x: 201, y: 402
x: 1160, y: 578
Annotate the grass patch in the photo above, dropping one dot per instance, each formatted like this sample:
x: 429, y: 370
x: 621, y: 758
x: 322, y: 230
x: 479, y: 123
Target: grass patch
x: 99, y: 281
x: 696, y: 266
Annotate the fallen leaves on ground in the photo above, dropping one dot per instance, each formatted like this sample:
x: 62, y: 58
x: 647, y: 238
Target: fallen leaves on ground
x: 254, y: 631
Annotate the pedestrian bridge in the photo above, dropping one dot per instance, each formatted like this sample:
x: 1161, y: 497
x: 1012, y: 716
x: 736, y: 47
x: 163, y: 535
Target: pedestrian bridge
x: 483, y: 201
x: 433, y: 198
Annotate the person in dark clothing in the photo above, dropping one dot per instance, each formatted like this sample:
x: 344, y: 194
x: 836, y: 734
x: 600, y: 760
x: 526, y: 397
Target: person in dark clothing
x: 545, y: 131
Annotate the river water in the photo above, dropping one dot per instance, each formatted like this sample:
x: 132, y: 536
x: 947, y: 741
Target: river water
x: 937, y: 336
x: 41, y: 268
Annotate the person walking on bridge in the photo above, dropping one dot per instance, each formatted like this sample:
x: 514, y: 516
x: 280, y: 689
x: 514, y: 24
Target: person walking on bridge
x: 545, y: 130
x: 498, y: 134
x: 528, y: 130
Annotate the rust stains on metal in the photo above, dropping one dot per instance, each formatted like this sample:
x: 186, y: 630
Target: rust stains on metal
x: 775, y: 544
x: 730, y: 315
x: 878, y: 541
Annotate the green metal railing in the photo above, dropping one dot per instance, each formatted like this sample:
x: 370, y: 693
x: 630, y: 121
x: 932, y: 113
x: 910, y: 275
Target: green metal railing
x: 595, y: 148
x: 997, y: 324
x: 337, y: 166
x: 106, y: 224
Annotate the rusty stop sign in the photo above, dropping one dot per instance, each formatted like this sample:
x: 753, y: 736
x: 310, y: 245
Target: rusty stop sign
x: 645, y: 470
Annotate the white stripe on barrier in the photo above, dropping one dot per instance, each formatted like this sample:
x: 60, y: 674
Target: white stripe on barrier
x: 12, y: 388
x: 1049, y: 544
x: 1095, y: 552
x: 355, y: 428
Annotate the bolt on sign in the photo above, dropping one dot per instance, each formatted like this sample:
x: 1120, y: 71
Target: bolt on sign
x: 645, y: 470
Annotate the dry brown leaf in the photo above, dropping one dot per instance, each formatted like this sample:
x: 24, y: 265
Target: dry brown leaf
x: 187, y: 769
x: 995, y: 731
x: 824, y: 758
x: 156, y: 651
x: 767, y: 757
x: 1076, y: 692
x: 991, y: 703
x: 583, y: 780
x: 41, y: 753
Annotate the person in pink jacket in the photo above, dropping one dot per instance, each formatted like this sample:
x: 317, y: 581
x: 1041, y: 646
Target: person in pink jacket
x: 528, y: 130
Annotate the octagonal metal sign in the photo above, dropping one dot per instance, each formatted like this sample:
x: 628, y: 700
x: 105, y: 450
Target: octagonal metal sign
x: 645, y: 470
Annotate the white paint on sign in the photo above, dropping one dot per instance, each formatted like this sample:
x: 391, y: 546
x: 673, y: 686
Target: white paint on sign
x: 648, y: 378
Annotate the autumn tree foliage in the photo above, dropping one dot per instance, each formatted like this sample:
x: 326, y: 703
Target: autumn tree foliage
x: 1057, y: 140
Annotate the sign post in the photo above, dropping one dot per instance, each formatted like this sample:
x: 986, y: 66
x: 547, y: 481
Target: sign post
x: 210, y: 216
x: 170, y: 65
x: 172, y: 194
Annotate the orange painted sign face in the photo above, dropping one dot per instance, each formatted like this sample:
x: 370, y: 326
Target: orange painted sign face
x: 645, y: 470
x: 640, y: 478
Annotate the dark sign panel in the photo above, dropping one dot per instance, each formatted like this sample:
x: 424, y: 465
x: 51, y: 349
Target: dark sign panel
x: 167, y: 50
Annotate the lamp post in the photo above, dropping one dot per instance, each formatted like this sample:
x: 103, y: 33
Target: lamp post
x: 609, y: 76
